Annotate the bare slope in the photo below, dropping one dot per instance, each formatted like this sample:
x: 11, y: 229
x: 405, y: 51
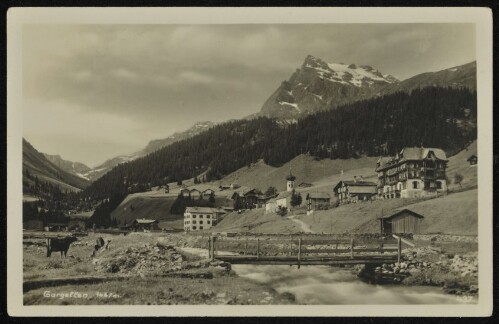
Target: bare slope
x: 144, y: 207
x: 36, y: 164
x: 459, y: 164
x: 453, y: 214
x: 256, y: 222
x: 306, y: 169
x: 151, y: 205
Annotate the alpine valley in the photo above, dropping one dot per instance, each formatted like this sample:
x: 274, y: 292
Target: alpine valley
x: 315, y: 88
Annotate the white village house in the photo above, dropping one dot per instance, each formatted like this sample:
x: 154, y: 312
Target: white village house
x: 201, y: 218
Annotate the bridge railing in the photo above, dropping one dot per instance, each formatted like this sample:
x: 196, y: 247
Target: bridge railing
x: 297, y: 248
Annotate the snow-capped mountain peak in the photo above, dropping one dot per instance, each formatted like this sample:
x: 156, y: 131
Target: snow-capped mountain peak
x: 348, y: 74
x: 319, y: 85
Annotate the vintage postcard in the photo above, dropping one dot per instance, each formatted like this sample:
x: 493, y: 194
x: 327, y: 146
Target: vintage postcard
x: 249, y: 161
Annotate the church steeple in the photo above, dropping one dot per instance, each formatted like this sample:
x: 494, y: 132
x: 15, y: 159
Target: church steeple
x: 290, y: 182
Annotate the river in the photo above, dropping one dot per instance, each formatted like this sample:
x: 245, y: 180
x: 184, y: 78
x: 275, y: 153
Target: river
x: 324, y: 285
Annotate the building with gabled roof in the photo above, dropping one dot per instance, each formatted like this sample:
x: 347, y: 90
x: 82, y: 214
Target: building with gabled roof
x: 318, y: 201
x: 146, y: 224
x: 412, y: 173
x: 201, y: 218
x: 347, y: 191
x: 473, y: 160
x: 401, y: 221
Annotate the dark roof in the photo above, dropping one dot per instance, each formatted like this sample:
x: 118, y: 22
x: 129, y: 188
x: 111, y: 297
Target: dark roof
x: 405, y: 210
x: 290, y: 177
x: 145, y: 221
x: 318, y: 195
x: 412, y: 154
x: 472, y: 157
x: 207, y: 210
x: 355, y: 183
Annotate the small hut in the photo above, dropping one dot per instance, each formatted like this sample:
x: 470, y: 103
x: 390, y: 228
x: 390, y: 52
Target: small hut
x: 146, y: 224
x: 403, y: 221
x: 473, y: 160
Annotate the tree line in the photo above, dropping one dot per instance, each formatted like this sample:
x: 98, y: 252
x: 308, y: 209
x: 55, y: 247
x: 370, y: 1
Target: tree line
x: 431, y: 117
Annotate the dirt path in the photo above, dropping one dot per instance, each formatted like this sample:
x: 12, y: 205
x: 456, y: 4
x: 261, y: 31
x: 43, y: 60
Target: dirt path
x: 304, y: 226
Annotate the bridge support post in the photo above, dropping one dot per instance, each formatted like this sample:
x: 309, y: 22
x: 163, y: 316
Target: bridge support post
x: 209, y: 248
x: 351, y: 248
x: 399, y: 248
x: 258, y: 248
x: 212, y: 248
x: 299, y: 252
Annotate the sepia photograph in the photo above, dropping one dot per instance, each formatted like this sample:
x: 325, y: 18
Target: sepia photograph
x: 231, y: 157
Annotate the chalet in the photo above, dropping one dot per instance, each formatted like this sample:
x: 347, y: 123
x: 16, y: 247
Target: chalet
x: 403, y: 221
x: 201, y: 218
x: 207, y: 193
x: 186, y: 193
x: 224, y: 187
x: 195, y: 194
x: 318, y: 201
x: 473, y: 160
x: 245, y: 199
x: 146, y: 224
x: 354, y: 191
x: 234, y: 186
x: 262, y: 200
x: 413, y: 173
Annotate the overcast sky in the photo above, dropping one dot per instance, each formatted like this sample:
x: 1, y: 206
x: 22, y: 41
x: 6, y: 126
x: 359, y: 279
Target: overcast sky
x: 91, y: 92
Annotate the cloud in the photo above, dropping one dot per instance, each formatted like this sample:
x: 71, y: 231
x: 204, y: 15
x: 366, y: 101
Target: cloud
x: 195, y: 77
x: 124, y: 74
x: 152, y: 80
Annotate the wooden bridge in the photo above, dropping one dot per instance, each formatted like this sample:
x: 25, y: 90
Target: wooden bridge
x: 306, y: 251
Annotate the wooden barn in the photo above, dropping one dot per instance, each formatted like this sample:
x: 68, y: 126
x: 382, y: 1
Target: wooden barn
x: 403, y: 221
x: 473, y: 160
x: 146, y: 224
x: 318, y: 201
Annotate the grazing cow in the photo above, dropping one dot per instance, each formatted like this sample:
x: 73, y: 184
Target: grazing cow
x: 59, y: 245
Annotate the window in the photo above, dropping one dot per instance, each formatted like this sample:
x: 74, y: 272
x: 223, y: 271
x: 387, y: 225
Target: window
x: 414, y: 185
x: 439, y: 185
x: 208, y: 216
x: 200, y: 222
x: 200, y: 227
x: 193, y: 216
x: 193, y: 227
x: 207, y: 222
x: 193, y: 222
x: 200, y: 216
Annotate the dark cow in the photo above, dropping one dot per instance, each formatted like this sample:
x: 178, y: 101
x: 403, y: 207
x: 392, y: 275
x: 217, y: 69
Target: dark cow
x: 60, y: 245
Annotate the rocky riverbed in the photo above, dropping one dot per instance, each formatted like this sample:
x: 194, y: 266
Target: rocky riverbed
x: 427, y: 266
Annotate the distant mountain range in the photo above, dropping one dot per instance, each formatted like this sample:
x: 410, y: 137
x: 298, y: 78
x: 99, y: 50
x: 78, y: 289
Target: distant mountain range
x: 36, y: 165
x: 76, y: 168
x: 463, y: 76
x: 154, y: 145
x: 315, y: 86
x: 318, y: 85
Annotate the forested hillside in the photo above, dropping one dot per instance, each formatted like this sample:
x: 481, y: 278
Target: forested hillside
x: 434, y: 117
